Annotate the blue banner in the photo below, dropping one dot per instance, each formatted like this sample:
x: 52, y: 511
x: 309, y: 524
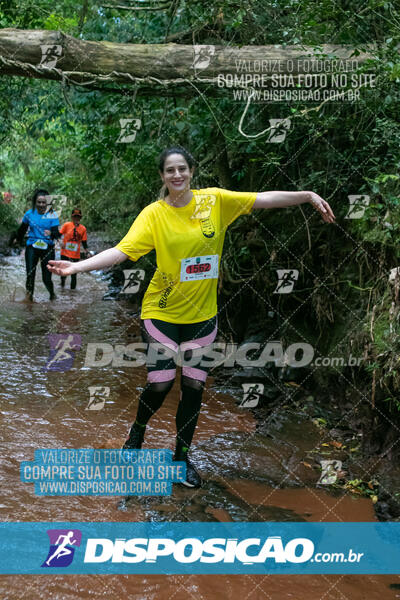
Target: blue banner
x: 200, y: 548
x: 104, y: 472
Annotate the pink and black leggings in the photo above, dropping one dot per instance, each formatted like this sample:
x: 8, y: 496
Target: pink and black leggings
x: 191, y: 338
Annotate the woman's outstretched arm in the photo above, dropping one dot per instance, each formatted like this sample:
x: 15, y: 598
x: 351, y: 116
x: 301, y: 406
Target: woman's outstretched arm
x: 107, y: 258
x: 277, y: 199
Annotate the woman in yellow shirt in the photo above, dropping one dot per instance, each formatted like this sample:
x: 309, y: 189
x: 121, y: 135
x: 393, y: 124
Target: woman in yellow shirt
x: 179, y: 310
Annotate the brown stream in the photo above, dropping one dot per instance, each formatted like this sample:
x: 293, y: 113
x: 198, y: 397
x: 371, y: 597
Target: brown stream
x: 249, y: 477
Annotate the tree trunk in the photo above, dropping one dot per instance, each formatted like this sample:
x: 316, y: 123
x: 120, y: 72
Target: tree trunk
x: 153, y: 67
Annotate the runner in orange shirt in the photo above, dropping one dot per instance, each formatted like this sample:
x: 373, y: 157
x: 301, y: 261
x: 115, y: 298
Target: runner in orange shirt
x: 73, y: 234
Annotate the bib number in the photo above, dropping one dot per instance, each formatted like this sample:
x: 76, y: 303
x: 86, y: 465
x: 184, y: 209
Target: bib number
x: 71, y: 246
x: 40, y: 244
x: 199, y: 267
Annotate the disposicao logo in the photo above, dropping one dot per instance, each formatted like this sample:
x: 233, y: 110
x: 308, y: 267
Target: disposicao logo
x: 191, y: 550
x: 61, y: 551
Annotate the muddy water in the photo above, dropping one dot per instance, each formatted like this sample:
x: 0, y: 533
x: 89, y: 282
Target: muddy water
x: 249, y: 476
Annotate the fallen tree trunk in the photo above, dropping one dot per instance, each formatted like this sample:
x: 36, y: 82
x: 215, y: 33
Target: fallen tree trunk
x: 56, y: 56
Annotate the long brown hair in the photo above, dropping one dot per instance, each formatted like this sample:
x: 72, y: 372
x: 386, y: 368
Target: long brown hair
x: 164, y: 155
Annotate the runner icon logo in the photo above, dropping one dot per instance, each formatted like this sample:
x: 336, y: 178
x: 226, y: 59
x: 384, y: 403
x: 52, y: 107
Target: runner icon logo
x: 61, y: 551
x: 287, y: 279
x: 133, y: 277
x: 330, y: 471
x: 62, y: 351
x: 278, y: 130
x: 55, y: 204
x: 98, y: 395
x: 358, y: 204
x: 251, y: 394
x: 204, y: 202
x: 50, y: 55
x: 202, y: 56
x: 129, y: 129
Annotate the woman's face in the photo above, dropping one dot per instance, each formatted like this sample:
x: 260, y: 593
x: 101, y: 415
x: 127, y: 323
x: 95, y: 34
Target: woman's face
x: 41, y: 204
x: 176, y: 175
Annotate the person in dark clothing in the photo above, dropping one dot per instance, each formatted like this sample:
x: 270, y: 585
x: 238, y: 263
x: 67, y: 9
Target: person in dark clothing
x: 42, y: 227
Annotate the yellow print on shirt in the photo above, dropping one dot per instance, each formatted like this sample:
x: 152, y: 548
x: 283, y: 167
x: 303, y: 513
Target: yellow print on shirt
x: 204, y: 202
x: 168, y: 279
x: 207, y: 227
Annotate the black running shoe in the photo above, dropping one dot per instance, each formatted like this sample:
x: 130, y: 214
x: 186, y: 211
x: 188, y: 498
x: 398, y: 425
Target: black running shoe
x: 193, y: 479
x: 135, y: 439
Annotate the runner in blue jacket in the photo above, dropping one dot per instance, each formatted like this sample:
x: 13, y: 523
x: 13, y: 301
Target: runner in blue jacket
x: 42, y: 227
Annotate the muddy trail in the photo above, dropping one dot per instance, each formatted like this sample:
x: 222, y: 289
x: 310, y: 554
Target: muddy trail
x: 254, y: 469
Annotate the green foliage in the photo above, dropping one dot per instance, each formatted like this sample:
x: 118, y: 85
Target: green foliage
x: 67, y: 139
x: 61, y: 23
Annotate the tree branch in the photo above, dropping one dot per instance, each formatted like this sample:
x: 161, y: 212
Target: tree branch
x: 135, y: 8
x: 155, y: 66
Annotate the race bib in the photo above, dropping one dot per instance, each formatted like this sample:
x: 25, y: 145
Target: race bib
x: 71, y: 246
x: 199, y: 267
x: 40, y: 244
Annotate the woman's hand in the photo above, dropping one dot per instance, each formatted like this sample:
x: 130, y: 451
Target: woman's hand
x: 107, y: 258
x: 322, y: 207
x: 62, y: 267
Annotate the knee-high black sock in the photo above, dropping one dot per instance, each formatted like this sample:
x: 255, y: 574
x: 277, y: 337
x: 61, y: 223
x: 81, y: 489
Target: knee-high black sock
x: 187, y: 415
x: 151, y: 399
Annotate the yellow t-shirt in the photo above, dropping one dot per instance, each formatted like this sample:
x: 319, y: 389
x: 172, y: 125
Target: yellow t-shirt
x: 188, y: 241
